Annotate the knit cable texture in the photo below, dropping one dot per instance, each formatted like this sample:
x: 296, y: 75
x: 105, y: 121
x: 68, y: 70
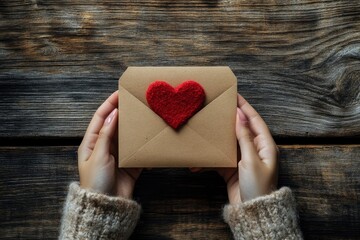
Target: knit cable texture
x: 90, y: 215
x: 272, y: 216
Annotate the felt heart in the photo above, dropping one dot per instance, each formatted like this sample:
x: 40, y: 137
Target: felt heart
x: 175, y: 105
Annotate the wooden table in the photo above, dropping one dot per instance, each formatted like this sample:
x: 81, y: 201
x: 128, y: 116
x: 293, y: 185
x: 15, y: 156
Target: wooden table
x: 297, y: 63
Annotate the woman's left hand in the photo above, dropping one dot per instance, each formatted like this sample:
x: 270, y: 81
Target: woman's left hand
x: 97, y: 155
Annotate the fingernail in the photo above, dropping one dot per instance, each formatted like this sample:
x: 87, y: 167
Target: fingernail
x: 110, y: 117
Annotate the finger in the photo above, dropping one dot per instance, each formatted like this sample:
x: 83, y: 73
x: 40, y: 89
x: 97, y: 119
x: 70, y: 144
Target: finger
x: 96, y: 123
x: 114, y: 147
x: 103, y: 143
x: 264, y: 140
x: 245, y: 138
x: 101, y: 114
x: 257, y: 124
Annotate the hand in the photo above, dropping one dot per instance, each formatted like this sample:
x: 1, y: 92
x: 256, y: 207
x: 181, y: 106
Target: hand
x: 257, y: 168
x: 97, y: 155
x: 256, y: 174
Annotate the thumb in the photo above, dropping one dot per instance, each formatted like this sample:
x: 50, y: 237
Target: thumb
x: 245, y: 137
x: 102, y: 146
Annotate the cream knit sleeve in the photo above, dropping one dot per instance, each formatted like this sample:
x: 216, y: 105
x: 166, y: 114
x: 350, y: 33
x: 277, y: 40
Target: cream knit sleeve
x: 90, y: 215
x: 272, y: 216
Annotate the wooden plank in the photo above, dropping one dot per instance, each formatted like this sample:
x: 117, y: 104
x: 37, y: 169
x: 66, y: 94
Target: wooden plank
x: 326, y: 182
x: 297, y: 63
x: 177, y: 203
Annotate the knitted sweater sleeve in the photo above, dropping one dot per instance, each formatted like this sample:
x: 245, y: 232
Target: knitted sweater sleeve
x: 90, y: 215
x: 272, y: 216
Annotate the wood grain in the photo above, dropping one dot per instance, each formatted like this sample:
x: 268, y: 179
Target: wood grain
x: 176, y: 203
x: 296, y: 62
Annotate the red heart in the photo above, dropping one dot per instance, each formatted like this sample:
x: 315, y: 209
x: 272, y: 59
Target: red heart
x: 175, y: 105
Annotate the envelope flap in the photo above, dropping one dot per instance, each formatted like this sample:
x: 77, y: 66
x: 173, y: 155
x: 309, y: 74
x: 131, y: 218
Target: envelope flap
x: 214, y: 80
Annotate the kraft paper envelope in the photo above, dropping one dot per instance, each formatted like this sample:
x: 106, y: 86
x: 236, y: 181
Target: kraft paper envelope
x: 207, y: 139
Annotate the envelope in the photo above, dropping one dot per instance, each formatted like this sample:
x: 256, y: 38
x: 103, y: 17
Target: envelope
x: 207, y: 139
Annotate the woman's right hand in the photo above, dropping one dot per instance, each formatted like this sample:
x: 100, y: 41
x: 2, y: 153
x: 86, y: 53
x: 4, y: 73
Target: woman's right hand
x: 258, y: 166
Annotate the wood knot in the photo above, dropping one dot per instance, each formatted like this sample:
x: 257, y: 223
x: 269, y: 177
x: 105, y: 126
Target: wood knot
x: 347, y: 89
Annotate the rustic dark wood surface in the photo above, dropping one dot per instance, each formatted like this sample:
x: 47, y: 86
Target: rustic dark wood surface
x: 297, y: 62
x: 60, y: 59
x: 178, y: 204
